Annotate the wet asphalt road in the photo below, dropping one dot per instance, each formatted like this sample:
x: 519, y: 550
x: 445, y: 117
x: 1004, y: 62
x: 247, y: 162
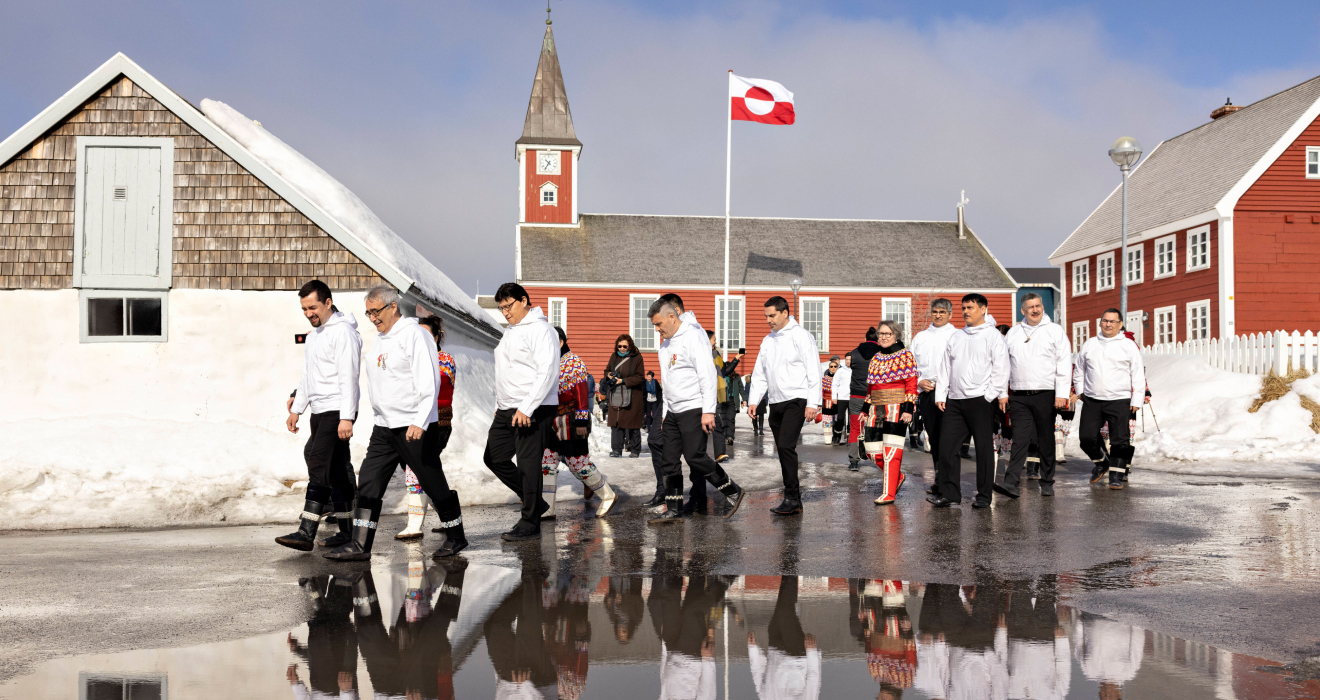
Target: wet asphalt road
x: 1231, y: 563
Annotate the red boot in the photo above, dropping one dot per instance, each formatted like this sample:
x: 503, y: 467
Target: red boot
x: 890, y: 462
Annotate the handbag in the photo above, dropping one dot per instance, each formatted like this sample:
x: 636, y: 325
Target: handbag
x: 620, y: 395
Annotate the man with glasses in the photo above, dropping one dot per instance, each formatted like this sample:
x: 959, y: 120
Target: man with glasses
x: 403, y: 378
x: 1040, y: 362
x: 1111, y: 381
x: 928, y: 347
x: 526, y: 401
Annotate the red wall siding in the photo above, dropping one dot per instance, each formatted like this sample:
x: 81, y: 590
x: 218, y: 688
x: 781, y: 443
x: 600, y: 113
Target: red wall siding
x: 561, y: 214
x: 1150, y: 294
x: 1277, y: 261
x: 597, y: 316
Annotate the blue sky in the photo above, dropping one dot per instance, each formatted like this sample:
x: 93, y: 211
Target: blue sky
x: 415, y: 106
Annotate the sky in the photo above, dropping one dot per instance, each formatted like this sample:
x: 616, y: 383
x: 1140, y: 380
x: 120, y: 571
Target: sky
x: 900, y: 106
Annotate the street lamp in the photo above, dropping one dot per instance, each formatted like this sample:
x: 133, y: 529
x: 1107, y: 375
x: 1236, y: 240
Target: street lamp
x: 796, y: 284
x: 1125, y: 153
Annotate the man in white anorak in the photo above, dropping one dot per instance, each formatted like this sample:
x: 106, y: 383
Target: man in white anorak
x: 928, y: 347
x: 1110, y: 378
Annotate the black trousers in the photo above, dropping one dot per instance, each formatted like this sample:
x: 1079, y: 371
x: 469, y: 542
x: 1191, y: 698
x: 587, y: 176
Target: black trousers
x: 730, y: 410
x: 840, y: 432
x: 786, y: 420
x: 389, y: 447
x: 1032, y: 418
x: 785, y: 627
x: 630, y: 438
x: 933, y: 418
x: 649, y: 412
x: 963, y: 417
x: 327, y: 458
x: 655, y: 441
x: 504, y: 442
x: 685, y: 440
x: 759, y: 422
x: 1096, y: 413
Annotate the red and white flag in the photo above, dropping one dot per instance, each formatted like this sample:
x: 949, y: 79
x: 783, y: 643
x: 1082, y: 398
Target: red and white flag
x: 756, y: 100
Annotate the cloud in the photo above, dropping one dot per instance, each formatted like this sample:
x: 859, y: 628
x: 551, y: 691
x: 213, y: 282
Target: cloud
x: 416, y: 109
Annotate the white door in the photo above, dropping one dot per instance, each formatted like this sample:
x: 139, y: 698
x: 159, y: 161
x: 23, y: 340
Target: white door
x: 1134, y: 325
x: 123, y: 216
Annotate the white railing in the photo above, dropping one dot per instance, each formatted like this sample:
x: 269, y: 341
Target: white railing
x: 1255, y: 353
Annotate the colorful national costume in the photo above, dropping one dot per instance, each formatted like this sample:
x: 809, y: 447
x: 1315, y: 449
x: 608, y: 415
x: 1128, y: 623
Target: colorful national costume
x: 892, y: 381
x: 887, y: 633
x: 827, y: 400
x: 417, y: 501
x: 574, y: 412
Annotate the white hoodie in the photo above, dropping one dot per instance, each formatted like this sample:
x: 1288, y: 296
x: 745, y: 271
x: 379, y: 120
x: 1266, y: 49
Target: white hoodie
x: 1109, y: 369
x: 403, y: 376
x: 1040, y: 357
x: 928, y: 347
x: 778, y: 675
x: 975, y: 364
x: 688, y: 368
x: 787, y: 367
x: 332, y: 359
x: 527, y: 365
x: 842, y: 380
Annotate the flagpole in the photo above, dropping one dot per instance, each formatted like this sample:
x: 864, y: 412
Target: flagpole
x: 728, y: 179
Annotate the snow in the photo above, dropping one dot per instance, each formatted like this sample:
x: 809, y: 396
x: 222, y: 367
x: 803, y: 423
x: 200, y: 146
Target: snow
x: 337, y: 201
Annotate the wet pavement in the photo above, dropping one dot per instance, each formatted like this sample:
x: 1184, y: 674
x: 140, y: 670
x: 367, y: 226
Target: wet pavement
x: 1179, y: 586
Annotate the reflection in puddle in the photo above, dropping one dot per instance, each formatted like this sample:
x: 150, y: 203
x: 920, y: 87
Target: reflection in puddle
x: 439, y: 631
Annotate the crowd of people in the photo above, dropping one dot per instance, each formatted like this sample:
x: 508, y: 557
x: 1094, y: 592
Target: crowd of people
x: 963, y: 383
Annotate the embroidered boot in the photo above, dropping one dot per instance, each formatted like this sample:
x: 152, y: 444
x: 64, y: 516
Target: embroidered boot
x: 733, y: 493
x: 366, y: 517
x: 417, y: 503
x: 673, y: 507
x: 315, y: 507
x: 890, y: 462
x: 549, y: 480
x: 451, y: 524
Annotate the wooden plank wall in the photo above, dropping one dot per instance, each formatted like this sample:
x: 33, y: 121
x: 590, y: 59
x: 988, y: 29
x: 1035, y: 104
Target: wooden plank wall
x: 562, y: 213
x: 230, y: 230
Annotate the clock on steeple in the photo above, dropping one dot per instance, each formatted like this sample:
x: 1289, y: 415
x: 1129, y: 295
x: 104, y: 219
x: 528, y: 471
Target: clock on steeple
x: 548, y: 150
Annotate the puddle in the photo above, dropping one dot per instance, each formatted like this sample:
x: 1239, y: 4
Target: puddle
x: 421, y: 631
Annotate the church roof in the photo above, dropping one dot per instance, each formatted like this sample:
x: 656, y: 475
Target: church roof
x: 548, y: 121
x: 681, y: 250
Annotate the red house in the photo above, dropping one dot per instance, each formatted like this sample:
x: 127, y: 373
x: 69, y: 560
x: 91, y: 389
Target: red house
x: 1223, y: 230
x: 595, y: 275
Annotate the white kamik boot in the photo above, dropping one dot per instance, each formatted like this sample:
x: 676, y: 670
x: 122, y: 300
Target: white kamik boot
x: 417, y: 503
x: 549, y: 481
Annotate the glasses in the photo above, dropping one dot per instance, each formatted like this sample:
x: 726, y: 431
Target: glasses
x: 1108, y: 322
x: 622, y: 346
x: 504, y: 308
x: 885, y: 335
x: 375, y: 313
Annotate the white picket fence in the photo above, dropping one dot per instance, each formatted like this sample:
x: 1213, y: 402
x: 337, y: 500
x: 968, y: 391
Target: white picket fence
x: 1255, y: 353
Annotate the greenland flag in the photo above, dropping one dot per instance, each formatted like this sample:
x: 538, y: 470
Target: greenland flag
x: 756, y: 100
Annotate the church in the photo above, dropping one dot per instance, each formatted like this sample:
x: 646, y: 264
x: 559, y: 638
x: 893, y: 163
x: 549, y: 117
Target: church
x: 584, y: 270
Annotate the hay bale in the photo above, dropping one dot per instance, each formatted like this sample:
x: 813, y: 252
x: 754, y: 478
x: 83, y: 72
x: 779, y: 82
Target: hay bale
x: 1310, y: 405
x: 1273, y: 388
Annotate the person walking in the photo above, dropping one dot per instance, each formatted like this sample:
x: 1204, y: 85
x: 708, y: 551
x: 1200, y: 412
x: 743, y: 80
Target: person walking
x: 972, y: 376
x: 403, y: 380
x: 626, y: 372
x: 1040, y: 362
x: 526, y: 403
x: 736, y: 391
x: 697, y: 501
x: 417, y: 500
x: 891, y: 380
x: 654, y: 394
x: 787, y: 370
x: 840, y: 389
x: 568, y: 440
x: 1110, y: 379
x: 758, y: 423
x: 827, y: 405
x: 329, y: 388
x: 928, y: 347
x: 728, y: 397
x: 859, y: 358
x: 689, y: 410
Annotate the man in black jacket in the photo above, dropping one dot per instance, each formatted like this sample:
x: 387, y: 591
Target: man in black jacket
x: 859, y: 360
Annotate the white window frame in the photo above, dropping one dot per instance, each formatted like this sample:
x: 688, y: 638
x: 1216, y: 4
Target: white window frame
x: 907, y: 315
x: 1172, y: 313
x: 1080, y: 334
x: 563, y: 310
x: 1204, y: 307
x: 86, y: 678
x: 1134, y: 261
x: 553, y: 189
x: 85, y: 294
x: 1170, y: 246
x: 1100, y: 260
x: 1309, y: 162
x: 1196, y: 238
x: 823, y: 341
x: 161, y: 281
x: 1081, y: 277
x: 635, y: 331
x: 721, y: 331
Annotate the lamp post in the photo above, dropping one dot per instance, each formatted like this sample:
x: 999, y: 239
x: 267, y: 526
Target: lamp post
x: 1125, y: 153
x: 796, y: 284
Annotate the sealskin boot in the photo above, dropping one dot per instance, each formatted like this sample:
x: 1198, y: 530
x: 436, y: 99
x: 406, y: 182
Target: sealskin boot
x: 1118, y: 472
x: 549, y: 483
x: 366, y: 516
x: 673, y: 508
x: 451, y: 524
x: 314, y: 508
x: 417, y: 503
x: 607, y: 498
x: 734, y: 494
x: 343, y: 519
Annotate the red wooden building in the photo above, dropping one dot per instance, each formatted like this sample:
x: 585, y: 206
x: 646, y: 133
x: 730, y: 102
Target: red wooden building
x: 1223, y: 230
x: 595, y: 275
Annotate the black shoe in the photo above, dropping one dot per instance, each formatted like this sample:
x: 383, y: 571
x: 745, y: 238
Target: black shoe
x: 790, y: 506
x: 933, y: 490
x: 366, y: 516
x: 939, y: 501
x: 1098, y: 471
x: 854, y: 466
x: 722, y: 459
x: 616, y: 454
x: 695, y: 505
x: 657, y: 500
x: 521, y: 533
x: 634, y: 455
x: 1046, y: 489
x: 1006, y: 490
x: 451, y: 524
x: 1033, y: 470
x: 728, y: 441
x: 978, y: 503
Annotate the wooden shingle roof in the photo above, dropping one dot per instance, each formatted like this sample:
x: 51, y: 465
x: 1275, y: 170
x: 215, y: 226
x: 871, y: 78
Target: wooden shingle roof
x: 549, y: 121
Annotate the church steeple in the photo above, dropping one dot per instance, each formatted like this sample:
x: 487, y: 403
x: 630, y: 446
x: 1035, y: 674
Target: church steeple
x: 548, y: 150
x: 549, y: 122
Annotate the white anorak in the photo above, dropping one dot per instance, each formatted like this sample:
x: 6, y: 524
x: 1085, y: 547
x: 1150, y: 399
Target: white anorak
x: 332, y: 363
x: 683, y: 677
x: 1040, y: 357
x: 842, y: 380
x: 975, y: 364
x: 787, y: 367
x: 928, y: 347
x: 403, y: 376
x: 781, y: 676
x: 1108, y: 651
x: 1109, y: 369
x: 527, y: 365
x: 688, y: 369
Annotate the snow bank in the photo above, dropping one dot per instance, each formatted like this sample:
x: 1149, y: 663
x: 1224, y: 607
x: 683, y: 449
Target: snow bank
x: 336, y: 200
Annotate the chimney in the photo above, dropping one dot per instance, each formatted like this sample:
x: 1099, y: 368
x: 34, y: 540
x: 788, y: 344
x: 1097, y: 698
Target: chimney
x: 962, y: 202
x: 1228, y: 108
